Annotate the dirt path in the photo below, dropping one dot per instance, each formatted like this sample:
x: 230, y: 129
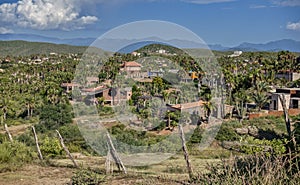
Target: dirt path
x: 16, y: 130
x: 37, y: 175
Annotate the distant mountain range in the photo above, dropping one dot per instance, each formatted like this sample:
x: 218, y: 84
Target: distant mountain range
x: 38, y: 38
x: 284, y: 44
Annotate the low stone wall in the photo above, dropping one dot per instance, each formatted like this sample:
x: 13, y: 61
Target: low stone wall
x: 292, y: 112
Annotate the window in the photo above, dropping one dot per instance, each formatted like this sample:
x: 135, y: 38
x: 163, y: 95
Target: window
x: 295, y: 104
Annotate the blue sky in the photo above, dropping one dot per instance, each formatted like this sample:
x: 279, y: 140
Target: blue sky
x: 226, y: 22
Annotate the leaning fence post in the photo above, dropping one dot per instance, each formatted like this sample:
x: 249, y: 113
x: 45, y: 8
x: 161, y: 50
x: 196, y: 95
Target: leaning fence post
x: 66, y: 149
x: 37, y: 143
x: 114, y: 154
x: 8, y: 133
x: 185, y: 152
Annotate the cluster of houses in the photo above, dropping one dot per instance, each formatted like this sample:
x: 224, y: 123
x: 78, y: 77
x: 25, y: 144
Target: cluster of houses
x: 133, y: 70
x: 113, y: 96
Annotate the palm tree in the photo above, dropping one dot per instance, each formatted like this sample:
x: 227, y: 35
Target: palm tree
x: 6, y: 106
x: 260, y: 95
x: 172, y: 117
x: 241, y: 98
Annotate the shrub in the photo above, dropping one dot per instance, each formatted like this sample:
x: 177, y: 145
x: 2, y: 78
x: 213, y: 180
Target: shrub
x: 297, y: 133
x: 27, y: 139
x: 275, y: 146
x: 54, y: 116
x: 197, y: 135
x: 14, y: 154
x: 51, y: 147
x: 227, y: 132
x: 2, y: 138
x: 87, y: 177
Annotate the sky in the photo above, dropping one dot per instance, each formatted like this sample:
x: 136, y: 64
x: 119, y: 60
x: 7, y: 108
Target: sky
x: 226, y: 22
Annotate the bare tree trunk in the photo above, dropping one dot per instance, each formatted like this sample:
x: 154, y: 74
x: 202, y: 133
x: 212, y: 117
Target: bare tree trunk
x: 287, y: 120
x: 37, y: 143
x: 169, y: 121
x: 108, y: 164
x: 114, y: 154
x: 66, y: 149
x: 185, y: 152
x: 28, y: 110
x: 8, y: 133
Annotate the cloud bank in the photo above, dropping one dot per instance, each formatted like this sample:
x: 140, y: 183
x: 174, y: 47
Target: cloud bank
x: 4, y: 30
x: 45, y: 14
x: 287, y: 2
x: 293, y: 26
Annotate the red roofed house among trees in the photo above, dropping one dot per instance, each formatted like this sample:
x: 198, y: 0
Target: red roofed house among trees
x: 133, y: 69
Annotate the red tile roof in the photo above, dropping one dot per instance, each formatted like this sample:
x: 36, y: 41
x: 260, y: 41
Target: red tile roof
x: 70, y: 85
x: 132, y: 64
x: 188, y: 105
x: 94, y: 89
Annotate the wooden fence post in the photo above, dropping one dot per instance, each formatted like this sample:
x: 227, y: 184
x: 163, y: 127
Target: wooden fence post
x: 287, y: 120
x: 185, y: 152
x: 114, y: 154
x: 37, y: 143
x: 66, y: 149
x: 8, y: 133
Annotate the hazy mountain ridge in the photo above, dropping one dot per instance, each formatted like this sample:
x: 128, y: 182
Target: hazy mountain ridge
x: 24, y: 48
x: 284, y: 44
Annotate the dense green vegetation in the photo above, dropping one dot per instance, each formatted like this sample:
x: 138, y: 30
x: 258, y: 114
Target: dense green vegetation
x: 31, y: 95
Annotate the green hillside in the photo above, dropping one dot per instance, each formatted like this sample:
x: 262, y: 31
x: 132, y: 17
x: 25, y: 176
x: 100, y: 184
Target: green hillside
x: 24, y: 48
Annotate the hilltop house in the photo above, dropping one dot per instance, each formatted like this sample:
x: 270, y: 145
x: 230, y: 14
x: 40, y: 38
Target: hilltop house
x: 133, y: 69
x: 191, y: 108
x: 92, y: 80
x: 69, y: 86
x: 288, y: 75
x: 292, y: 97
x: 111, y: 96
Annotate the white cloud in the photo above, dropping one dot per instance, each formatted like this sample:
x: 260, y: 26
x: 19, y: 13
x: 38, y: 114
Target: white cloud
x: 207, y: 1
x: 293, y: 26
x: 4, y: 30
x: 287, y: 2
x: 258, y: 6
x: 45, y: 14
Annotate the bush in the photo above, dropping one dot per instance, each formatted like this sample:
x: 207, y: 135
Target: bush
x: 227, y: 132
x: 2, y: 138
x: 73, y: 139
x: 27, y: 139
x: 297, y: 133
x: 87, y: 177
x: 54, y: 116
x: 14, y: 155
x: 197, y: 135
x: 253, y: 146
x: 51, y: 147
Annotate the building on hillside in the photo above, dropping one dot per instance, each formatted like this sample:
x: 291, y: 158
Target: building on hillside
x: 162, y: 51
x: 288, y: 75
x: 112, y: 96
x: 136, y: 54
x: 236, y: 54
x: 69, y: 86
x: 92, y: 80
x: 292, y: 97
x: 191, y: 108
x: 152, y: 74
x: 133, y: 69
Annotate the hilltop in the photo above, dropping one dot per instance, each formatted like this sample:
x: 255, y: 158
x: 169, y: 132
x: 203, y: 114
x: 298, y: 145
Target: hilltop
x: 24, y: 48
